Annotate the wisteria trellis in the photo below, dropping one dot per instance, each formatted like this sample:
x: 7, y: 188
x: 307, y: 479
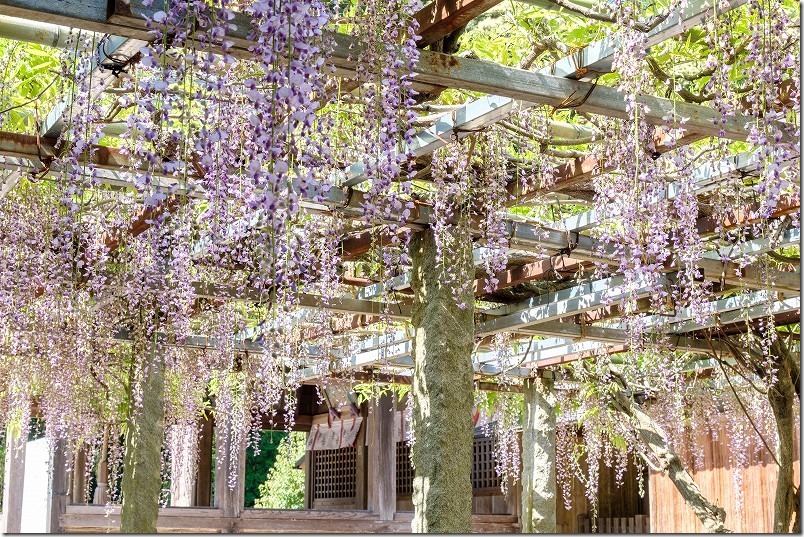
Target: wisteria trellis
x: 264, y: 137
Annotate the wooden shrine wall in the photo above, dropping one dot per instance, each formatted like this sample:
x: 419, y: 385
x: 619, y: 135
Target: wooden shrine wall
x: 614, y: 501
x: 670, y: 514
x: 487, y: 496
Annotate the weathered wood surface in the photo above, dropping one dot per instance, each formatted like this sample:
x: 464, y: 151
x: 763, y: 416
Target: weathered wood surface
x: 442, y: 17
x: 230, y: 499
x: 93, y: 519
x: 79, y: 481
x: 59, y: 492
x: 14, y: 467
x: 715, y: 477
x: 634, y: 524
x: 613, y: 501
x: 382, y: 458
x: 203, y: 488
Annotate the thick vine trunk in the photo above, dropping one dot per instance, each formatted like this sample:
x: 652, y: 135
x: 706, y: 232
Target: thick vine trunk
x: 442, y: 392
x: 142, y: 480
x: 539, y: 458
x: 781, y: 397
x: 711, y: 516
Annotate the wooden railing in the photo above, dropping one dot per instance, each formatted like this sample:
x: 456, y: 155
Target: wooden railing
x: 634, y: 524
x: 94, y: 519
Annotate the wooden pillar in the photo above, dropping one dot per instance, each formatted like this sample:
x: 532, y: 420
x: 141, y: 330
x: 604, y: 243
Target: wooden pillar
x: 59, y: 492
x: 101, y: 495
x: 382, y: 458
x: 79, y: 481
x: 442, y: 383
x: 308, y: 477
x: 539, y: 456
x: 142, y: 461
x: 362, y: 465
x: 14, y: 480
x: 203, y: 488
x: 183, y: 442
x: 230, y: 500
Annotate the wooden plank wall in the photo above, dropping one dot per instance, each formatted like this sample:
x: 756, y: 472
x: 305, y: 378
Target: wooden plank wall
x: 621, y: 501
x: 669, y: 513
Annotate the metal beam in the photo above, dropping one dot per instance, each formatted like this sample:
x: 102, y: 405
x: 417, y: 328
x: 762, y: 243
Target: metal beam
x: 705, y: 178
x: 99, y: 79
x: 337, y: 304
x: 490, y: 109
x: 732, y: 313
x: 565, y: 303
x: 791, y: 237
x: 599, y: 56
x: 127, y: 20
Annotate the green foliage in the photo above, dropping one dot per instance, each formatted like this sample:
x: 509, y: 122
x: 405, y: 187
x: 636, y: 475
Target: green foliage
x: 369, y: 391
x: 284, y: 487
x: 258, y: 466
x: 28, y: 88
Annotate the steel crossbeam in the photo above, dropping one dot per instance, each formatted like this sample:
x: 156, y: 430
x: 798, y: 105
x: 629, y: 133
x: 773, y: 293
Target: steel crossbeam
x: 127, y: 19
x: 485, y: 111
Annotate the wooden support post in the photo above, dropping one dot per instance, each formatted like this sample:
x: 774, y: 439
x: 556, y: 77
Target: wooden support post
x: 101, y: 495
x: 14, y: 480
x: 361, y: 465
x: 203, y: 488
x: 309, y: 483
x: 59, y: 492
x: 79, y: 482
x: 539, y: 457
x: 231, y: 500
x: 442, y: 383
x: 382, y: 457
x: 183, y: 442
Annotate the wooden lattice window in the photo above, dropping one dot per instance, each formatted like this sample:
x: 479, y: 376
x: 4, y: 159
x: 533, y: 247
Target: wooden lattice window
x: 334, y: 473
x: 404, y: 469
x: 483, y: 474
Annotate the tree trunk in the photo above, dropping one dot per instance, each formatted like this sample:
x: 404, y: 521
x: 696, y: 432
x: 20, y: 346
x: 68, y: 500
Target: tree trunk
x: 711, y: 516
x: 142, y: 462
x: 539, y: 457
x: 781, y: 397
x: 442, y: 389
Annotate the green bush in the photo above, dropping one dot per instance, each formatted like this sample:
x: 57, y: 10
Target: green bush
x: 284, y: 487
x: 257, y: 466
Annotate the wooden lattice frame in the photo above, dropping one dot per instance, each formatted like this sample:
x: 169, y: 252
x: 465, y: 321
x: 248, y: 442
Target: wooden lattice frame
x: 334, y: 474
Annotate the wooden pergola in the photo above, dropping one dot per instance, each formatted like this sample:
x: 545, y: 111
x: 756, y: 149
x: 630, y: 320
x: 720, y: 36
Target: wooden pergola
x: 576, y: 317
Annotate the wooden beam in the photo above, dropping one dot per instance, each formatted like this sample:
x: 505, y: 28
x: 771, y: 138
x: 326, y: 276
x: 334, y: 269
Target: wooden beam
x: 545, y: 268
x: 748, y: 213
x: 442, y: 17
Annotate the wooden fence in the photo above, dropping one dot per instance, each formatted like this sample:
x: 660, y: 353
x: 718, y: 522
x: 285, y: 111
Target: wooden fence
x: 94, y: 519
x: 634, y: 524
